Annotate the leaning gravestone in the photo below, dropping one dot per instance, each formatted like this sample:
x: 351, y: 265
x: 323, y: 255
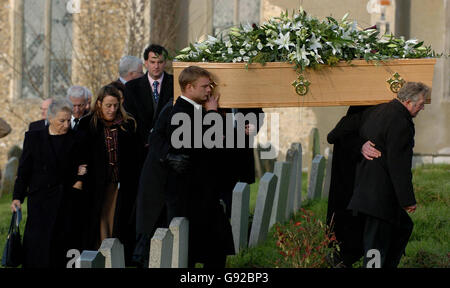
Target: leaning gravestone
x: 240, y: 206
x: 161, y: 249
x: 316, y: 177
x: 90, y: 259
x: 179, y: 226
x: 326, y: 183
x: 9, y: 176
x: 263, y: 208
x: 113, y: 251
x: 282, y: 170
x: 294, y: 201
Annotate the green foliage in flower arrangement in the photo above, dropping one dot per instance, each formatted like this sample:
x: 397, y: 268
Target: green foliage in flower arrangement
x: 304, y: 41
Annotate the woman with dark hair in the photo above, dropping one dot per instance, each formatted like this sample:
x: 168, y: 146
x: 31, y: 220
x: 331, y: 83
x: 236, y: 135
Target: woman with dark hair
x: 49, y: 176
x: 111, y: 154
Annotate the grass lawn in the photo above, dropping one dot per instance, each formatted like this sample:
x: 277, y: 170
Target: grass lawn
x: 428, y: 246
x: 5, y: 219
x: 429, y: 243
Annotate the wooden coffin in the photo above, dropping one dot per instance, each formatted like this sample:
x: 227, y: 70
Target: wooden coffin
x: 357, y: 83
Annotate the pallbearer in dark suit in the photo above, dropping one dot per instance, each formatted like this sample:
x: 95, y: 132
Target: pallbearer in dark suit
x: 383, y: 187
x: 194, y: 173
x: 47, y: 175
x: 145, y: 96
x: 349, y: 148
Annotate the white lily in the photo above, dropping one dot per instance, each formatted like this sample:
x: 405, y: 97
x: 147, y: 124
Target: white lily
x: 211, y: 39
x: 259, y: 46
x: 304, y: 54
x: 315, y: 43
x: 284, y: 41
x: 247, y: 28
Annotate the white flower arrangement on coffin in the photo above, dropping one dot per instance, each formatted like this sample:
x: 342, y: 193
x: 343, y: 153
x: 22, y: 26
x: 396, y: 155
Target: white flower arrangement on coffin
x: 304, y: 41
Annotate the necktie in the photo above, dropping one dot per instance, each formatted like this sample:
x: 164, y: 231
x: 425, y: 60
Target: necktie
x: 75, y: 122
x: 155, y: 91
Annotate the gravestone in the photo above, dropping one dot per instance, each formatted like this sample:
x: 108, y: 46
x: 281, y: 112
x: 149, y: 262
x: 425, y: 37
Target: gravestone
x: 14, y: 151
x: 90, y: 259
x: 327, y: 181
x: 113, y: 251
x: 179, y: 226
x: 316, y: 177
x: 282, y: 170
x: 161, y: 249
x: 9, y: 176
x: 263, y: 208
x: 294, y: 201
x: 313, y: 148
x: 240, y: 206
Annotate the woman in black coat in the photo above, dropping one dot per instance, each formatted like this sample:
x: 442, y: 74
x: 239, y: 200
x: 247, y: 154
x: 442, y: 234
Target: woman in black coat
x: 112, y: 155
x: 47, y: 175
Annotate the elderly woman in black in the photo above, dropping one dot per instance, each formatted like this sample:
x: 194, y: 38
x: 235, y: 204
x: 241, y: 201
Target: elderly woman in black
x: 48, y: 176
x: 113, y: 172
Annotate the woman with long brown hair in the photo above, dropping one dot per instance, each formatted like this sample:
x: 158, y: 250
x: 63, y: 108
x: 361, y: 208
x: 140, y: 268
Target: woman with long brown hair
x: 111, y: 152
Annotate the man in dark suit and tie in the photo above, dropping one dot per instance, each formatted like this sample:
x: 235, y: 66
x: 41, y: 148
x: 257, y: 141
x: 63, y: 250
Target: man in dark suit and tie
x: 146, y: 95
x: 79, y: 97
x: 41, y: 124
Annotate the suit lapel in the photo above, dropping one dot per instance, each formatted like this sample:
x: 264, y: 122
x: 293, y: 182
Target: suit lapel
x: 146, y: 96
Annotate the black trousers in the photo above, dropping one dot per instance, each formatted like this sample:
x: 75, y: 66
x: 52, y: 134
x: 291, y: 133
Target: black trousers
x: 388, y: 238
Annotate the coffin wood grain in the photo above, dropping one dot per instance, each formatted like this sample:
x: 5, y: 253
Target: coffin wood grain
x: 357, y: 83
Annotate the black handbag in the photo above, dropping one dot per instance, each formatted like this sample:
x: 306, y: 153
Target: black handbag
x: 13, y: 252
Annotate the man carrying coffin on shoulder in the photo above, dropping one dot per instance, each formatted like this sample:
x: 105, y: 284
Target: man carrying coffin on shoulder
x: 193, y: 172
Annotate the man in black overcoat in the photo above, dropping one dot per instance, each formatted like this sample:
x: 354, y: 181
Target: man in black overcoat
x: 150, y: 203
x: 194, y: 173
x: 383, y: 191
x: 141, y: 99
x: 238, y: 162
x: 349, y: 148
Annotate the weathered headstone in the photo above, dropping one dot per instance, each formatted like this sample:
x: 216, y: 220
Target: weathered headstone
x: 14, y: 151
x: 161, y: 249
x: 263, y: 208
x: 316, y: 177
x: 113, y: 251
x: 239, y: 215
x: 282, y: 170
x: 9, y: 176
x: 313, y: 148
x: 90, y: 259
x: 179, y: 226
x: 327, y: 181
x: 294, y: 202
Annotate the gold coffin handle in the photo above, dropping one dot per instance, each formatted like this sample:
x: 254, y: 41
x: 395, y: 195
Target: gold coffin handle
x: 301, y: 85
x: 395, y: 82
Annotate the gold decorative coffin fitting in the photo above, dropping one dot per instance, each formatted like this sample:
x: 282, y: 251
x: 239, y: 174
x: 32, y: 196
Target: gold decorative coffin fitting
x: 279, y: 85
